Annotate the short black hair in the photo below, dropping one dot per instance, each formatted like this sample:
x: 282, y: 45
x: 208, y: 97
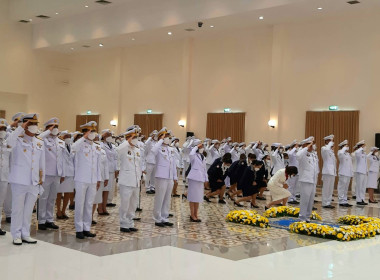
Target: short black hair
x: 252, y: 156
x: 291, y: 170
x: 243, y: 157
x: 226, y: 156
x: 257, y: 162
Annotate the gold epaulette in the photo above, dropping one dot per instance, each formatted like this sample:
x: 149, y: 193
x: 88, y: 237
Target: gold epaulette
x: 22, y: 136
x: 39, y: 138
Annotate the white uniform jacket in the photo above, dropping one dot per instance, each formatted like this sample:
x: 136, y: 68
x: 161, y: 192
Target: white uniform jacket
x: 130, y: 165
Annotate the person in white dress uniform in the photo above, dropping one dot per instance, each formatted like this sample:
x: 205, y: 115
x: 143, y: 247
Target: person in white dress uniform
x: 104, y: 171
x: 67, y: 186
x: 87, y: 179
x: 108, y: 190
x: 197, y: 177
x: 361, y: 172
x: 373, y: 173
x: 277, y: 158
x: 165, y: 176
x: 328, y: 171
x: 150, y: 163
x: 235, y: 154
x: 353, y: 183
x: 345, y: 172
x: 5, y: 151
x: 27, y: 174
x: 178, y: 158
x: 278, y: 186
x: 130, y: 174
x: 54, y: 174
x: 293, y: 181
x: 212, y: 153
x: 308, y: 174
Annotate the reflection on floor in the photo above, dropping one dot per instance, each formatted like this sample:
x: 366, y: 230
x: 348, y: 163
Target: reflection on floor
x: 213, y: 236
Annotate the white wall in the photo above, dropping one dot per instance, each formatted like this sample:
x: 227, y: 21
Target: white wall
x: 275, y: 72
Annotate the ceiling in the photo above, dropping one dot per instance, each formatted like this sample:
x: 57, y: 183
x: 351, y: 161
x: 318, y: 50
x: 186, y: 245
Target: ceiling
x: 128, y: 22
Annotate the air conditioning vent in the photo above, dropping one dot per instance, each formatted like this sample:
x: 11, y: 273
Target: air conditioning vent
x: 24, y: 21
x: 43, y: 16
x: 353, y: 2
x: 103, y: 2
x: 189, y: 29
x: 86, y: 46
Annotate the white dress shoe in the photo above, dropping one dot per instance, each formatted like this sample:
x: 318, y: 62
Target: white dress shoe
x: 29, y: 240
x: 17, y: 241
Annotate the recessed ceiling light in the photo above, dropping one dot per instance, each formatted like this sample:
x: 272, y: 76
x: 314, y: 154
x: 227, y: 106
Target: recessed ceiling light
x: 86, y: 6
x: 320, y: 8
x: 100, y: 45
x: 169, y: 33
x: 261, y: 17
x: 57, y: 13
x: 30, y: 19
x: 72, y: 49
x: 212, y: 26
x: 133, y: 39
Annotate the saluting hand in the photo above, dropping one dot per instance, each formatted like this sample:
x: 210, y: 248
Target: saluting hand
x: 25, y: 125
x: 86, y: 134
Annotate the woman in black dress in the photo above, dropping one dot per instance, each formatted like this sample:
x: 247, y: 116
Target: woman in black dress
x: 251, y: 183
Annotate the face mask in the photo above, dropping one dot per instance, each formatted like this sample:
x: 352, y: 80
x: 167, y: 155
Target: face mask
x: 176, y: 144
x: 314, y: 147
x: 134, y: 141
x: 377, y: 153
x: 33, y: 129
x: 155, y: 138
x: 281, y: 151
x: 257, y: 169
x: 91, y: 136
x: 3, y: 134
x: 201, y: 151
x: 364, y: 148
x: 55, y: 131
x: 268, y: 161
x: 139, y: 138
x: 19, y: 124
x: 68, y: 141
x: 167, y: 140
x: 109, y: 139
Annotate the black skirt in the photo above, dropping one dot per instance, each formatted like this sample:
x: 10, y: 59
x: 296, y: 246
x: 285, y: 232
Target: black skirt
x: 250, y: 190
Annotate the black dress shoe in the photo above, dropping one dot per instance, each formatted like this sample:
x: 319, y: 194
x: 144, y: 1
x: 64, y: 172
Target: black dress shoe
x: 60, y: 217
x: 94, y: 223
x: 153, y: 191
x: 170, y: 215
x: 51, y: 225
x: 138, y: 209
x: 110, y: 205
x: 79, y: 235
x: 72, y: 207
x: 124, y: 229
x: 159, y: 224
x: 199, y: 220
x: 136, y: 219
x: 298, y: 196
x: 89, y: 234
x: 294, y: 202
x: 193, y: 220
x: 354, y: 197
x: 370, y: 201
x: 361, y: 203
x: 261, y: 198
x: 206, y: 198
x: 168, y: 224
x: 176, y: 195
x: 2, y: 232
x: 254, y: 206
x: 133, y: 229
x: 42, y: 227
x: 183, y: 196
x: 65, y: 217
x: 221, y: 201
x: 345, y: 205
x: 266, y: 208
x: 238, y: 204
x: 8, y: 220
x: 329, y: 207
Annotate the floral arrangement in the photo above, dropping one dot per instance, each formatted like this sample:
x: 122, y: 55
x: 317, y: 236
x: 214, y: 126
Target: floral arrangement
x: 357, y: 227
x: 247, y: 217
x: 288, y: 211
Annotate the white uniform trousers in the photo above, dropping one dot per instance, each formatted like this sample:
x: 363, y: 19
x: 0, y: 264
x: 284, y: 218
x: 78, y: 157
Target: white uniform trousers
x: 129, y: 198
x: 8, y: 202
x: 84, y: 199
x: 24, y: 198
x: 344, y: 182
x: 3, y: 194
x: 150, y: 179
x: 307, y: 200
x: 184, y: 177
x: 162, y: 198
x: 46, y: 202
x: 353, y: 185
x: 111, y: 187
x: 292, y: 183
x: 327, y: 189
x: 361, y: 186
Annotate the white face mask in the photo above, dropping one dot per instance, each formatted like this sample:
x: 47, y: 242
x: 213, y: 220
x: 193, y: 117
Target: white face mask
x: 155, y: 138
x: 91, y: 136
x: 281, y: 151
x: 33, y: 129
x: 257, y: 169
x: 364, y: 148
x: 109, y: 139
x: 377, y: 153
x: 314, y: 147
x: 55, y: 131
x: 3, y: 134
x: 167, y: 140
x: 134, y: 141
x: 176, y: 144
x: 201, y: 151
x: 68, y: 141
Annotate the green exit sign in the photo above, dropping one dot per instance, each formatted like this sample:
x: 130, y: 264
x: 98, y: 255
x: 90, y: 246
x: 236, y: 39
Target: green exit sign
x: 149, y: 111
x: 227, y: 110
x: 333, y: 108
